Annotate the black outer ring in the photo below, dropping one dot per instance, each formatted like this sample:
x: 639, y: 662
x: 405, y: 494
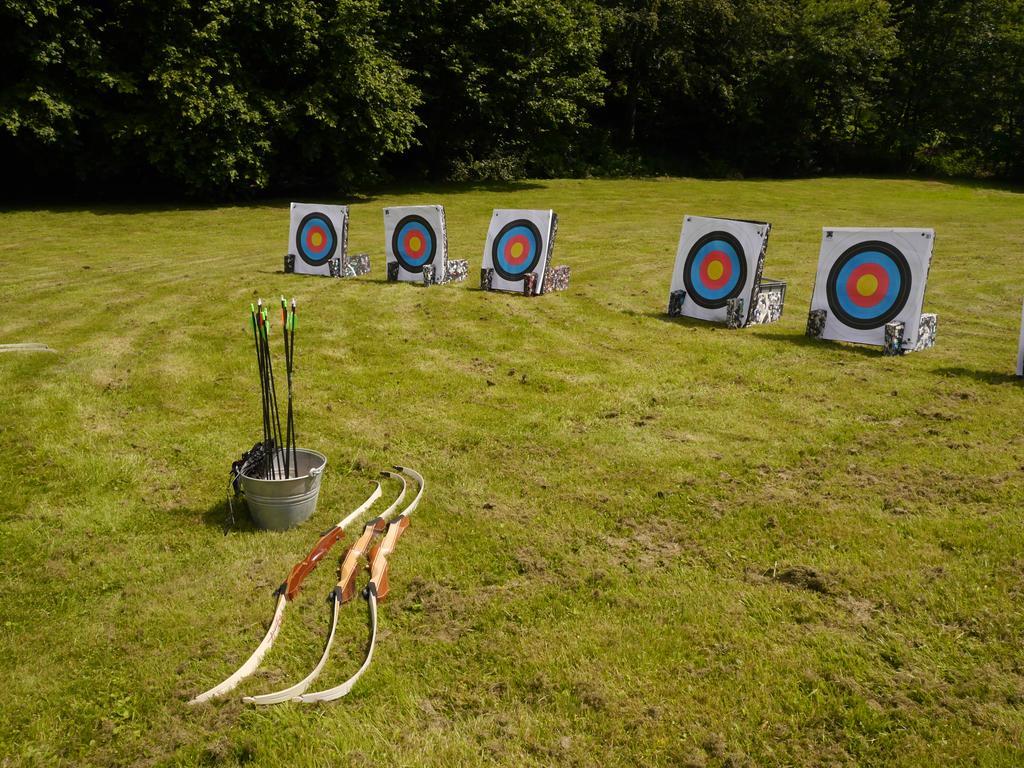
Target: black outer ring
x: 901, y: 298
x: 398, y: 254
x: 496, y: 264
x: 299, y: 249
x: 692, y: 293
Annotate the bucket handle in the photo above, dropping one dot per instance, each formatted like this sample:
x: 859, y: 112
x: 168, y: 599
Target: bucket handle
x: 313, y: 474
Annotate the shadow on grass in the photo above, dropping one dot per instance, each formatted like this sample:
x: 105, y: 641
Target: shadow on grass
x: 994, y: 378
x: 461, y: 285
x: 156, y: 203
x: 684, y: 322
x: 220, y: 516
x: 803, y: 340
x: 795, y: 339
x: 450, y: 188
x: 125, y: 201
x: 345, y: 280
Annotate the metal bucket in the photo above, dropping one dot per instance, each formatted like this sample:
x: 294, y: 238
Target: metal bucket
x: 284, y: 503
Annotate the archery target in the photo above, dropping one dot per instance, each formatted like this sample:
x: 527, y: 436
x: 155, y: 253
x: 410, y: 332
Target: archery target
x: 717, y: 260
x: 870, y: 277
x: 519, y: 243
x: 318, y: 234
x: 415, y: 236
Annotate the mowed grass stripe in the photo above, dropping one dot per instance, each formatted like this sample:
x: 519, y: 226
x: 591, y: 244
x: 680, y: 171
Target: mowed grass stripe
x: 644, y: 541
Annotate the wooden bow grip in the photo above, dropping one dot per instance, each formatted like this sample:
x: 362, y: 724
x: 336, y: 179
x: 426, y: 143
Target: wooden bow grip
x: 380, y: 553
x: 350, y: 563
x: 290, y: 587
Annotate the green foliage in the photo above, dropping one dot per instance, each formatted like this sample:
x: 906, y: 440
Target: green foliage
x: 755, y: 85
x: 236, y: 96
x: 508, y: 86
x: 215, y: 98
x: 955, y: 95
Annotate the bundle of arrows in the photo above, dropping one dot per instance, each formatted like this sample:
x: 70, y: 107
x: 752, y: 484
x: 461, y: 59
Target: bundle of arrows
x: 387, y: 527
x: 276, y: 456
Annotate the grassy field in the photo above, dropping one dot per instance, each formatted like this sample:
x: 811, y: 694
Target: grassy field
x: 645, y: 542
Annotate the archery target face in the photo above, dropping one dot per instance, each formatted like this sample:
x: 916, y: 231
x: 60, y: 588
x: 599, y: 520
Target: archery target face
x: 870, y: 277
x: 415, y: 236
x: 318, y: 233
x: 517, y: 245
x: 717, y: 261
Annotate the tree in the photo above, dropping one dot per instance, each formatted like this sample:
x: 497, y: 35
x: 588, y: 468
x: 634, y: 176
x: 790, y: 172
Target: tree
x: 754, y: 85
x: 955, y: 98
x: 507, y: 86
x: 215, y: 98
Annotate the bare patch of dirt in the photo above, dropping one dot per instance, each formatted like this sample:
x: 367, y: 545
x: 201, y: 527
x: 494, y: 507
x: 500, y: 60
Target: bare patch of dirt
x: 801, y: 576
x: 653, y: 543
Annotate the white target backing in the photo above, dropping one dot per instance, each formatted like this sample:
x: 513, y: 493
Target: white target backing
x: 519, y: 243
x: 870, y: 277
x: 317, y: 235
x: 716, y: 261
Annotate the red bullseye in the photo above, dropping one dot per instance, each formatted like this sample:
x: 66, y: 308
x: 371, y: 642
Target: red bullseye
x: 715, y: 270
x: 867, y: 285
x: 414, y: 243
x: 316, y: 238
x: 517, y: 255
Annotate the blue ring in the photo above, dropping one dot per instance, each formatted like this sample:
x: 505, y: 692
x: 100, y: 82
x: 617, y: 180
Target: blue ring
x: 883, y: 306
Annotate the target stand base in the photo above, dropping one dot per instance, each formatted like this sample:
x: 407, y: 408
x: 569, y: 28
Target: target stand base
x: 675, y: 303
x: 816, y: 323
x: 768, y: 303
x: 769, y: 299
x: 351, y: 266
x: 344, y: 266
x: 455, y: 271
x: 767, y: 308
x: 555, y: 279
x: 894, y: 333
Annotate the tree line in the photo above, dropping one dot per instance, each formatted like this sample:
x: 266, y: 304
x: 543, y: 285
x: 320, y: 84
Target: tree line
x: 235, y: 97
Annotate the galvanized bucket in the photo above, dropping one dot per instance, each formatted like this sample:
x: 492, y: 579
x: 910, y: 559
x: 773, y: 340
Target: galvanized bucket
x: 284, y: 503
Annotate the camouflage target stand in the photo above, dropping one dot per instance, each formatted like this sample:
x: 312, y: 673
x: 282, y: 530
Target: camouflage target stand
x: 718, y: 274
x: 870, y: 286
x: 318, y: 242
x: 517, y: 253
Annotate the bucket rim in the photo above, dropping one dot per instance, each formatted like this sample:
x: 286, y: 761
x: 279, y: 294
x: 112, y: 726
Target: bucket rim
x: 309, y: 451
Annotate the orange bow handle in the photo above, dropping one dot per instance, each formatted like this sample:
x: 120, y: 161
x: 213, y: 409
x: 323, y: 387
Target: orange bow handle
x: 291, y: 586
x: 346, y: 588
x: 380, y: 553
